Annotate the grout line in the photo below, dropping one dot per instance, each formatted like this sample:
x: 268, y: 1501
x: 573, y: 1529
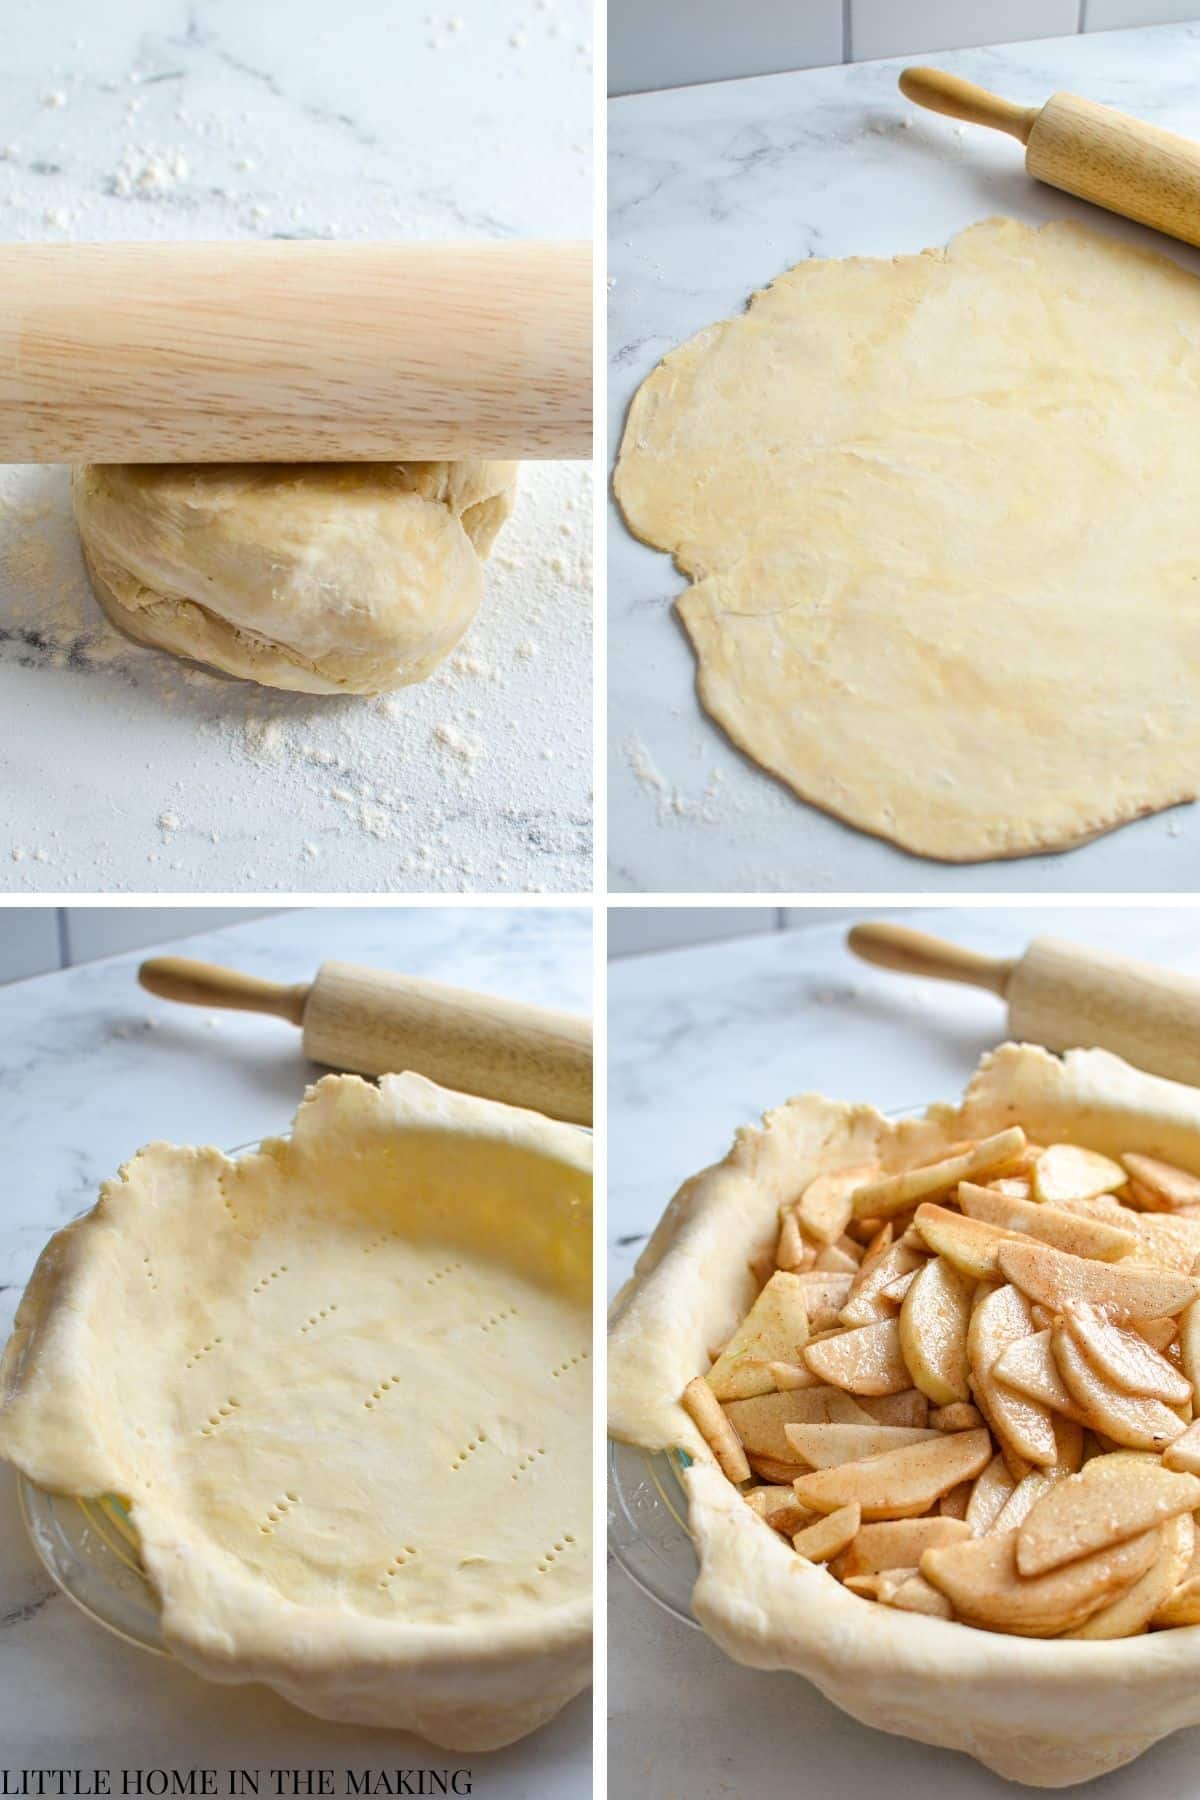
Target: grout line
x: 1081, y: 22
x: 64, y: 941
x: 847, y: 40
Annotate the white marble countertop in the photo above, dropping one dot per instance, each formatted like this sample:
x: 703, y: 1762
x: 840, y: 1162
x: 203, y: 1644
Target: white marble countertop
x: 701, y: 1041
x: 126, y: 769
x: 90, y: 1068
x: 713, y: 191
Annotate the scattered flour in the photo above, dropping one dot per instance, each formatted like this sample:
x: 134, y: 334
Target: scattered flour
x: 149, y: 172
x: 479, y: 778
x: 670, y: 800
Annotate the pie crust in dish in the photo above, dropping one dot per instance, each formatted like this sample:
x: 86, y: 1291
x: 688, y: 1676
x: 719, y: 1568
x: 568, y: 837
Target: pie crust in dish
x: 344, y: 1385
x: 1046, y: 1712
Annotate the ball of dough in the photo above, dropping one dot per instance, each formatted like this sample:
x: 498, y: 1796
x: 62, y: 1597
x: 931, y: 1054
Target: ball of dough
x: 328, y: 578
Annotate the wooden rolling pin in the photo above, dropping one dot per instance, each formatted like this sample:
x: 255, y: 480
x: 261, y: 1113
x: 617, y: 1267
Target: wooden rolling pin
x: 1065, y: 996
x: 1101, y: 155
x: 294, y: 352
x: 378, y: 1023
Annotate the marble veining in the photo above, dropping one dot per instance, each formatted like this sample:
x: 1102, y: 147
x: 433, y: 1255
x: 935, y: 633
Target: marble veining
x: 91, y: 1067
x: 714, y: 191
x: 701, y: 1041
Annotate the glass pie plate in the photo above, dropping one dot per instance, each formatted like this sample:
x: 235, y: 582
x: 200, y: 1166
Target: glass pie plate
x: 647, y: 1525
x: 647, y: 1508
x: 89, y: 1548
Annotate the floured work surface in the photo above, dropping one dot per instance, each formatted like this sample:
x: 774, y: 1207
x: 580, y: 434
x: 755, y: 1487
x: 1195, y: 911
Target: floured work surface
x: 939, y: 515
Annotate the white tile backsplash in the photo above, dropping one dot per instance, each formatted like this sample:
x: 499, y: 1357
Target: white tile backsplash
x: 29, y: 942
x: 34, y: 940
x: 632, y: 930
x: 803, y: 918
x: 1112, y: 15
x: 95, y: 931
x: 673, y: 43
x: 893, y: 28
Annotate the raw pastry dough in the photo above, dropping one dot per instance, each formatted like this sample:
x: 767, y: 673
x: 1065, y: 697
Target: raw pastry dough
x: 344, y: 1383
x: 327, y: 578
x: 1028, y: 1709
x: 941, y: 516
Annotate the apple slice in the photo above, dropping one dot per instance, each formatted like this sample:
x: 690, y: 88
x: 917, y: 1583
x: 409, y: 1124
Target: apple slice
x: 705, y: 1411
x: 829, y: 1536
x: 900, y: 1543
x: 867, y: 1360
x: 828, y: 1446
x: 827, y: 1204
x: 954, y: 1504
x: 1073, y: 1232
x: 1067, y: 1172
x: 1017, y: 1187
x: 1133, y: 1421
x: 1133, y: 1612
x: 970, y: 1245
x: 1025, y: 1496
x: 982, y: 1583
x: 1022, y: 1425
x: 1182, y: 1607
x: 1189, y: 1343
x: 892, y: 1194
x: 1170, y: 1186
x: 909, y: 1407
x: 825, y: 1294
x: 772, y: 1469
x: 833, y: 1260
x: 1029, y: 1368
x: 864, y: 1304
x: 792, y: 1375
x: 1184, y: 1453
x: 1112, y: 1498
x: 934, y: 1320
x: 760, y: 1422
x: 1160, y: 1333
x: 1068, y: 1435
x: 914, y: 1594
x: 792, y: 1254
x: 989, y: 1496
x: 774, y: 1330
x: 895, y: 1291
x: 960, y: 1415
x: 901, y: 1484
x: 1169, y: 1240
x: 1126, y: 1359
x: 779, y: 1508
x: 1126, y: 1290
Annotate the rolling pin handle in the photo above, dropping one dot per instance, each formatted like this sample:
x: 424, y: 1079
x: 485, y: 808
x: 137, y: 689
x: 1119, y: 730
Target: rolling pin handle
x: 204, y: 984
x: 917, y: 953
x: 959, y: 99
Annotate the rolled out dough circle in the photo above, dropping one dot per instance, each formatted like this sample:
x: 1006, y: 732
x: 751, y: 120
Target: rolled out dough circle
x: 940, y: 515
x: 325, y: 577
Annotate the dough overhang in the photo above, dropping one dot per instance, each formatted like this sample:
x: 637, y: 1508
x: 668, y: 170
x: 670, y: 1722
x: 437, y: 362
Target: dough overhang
x: 345, y: 1384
